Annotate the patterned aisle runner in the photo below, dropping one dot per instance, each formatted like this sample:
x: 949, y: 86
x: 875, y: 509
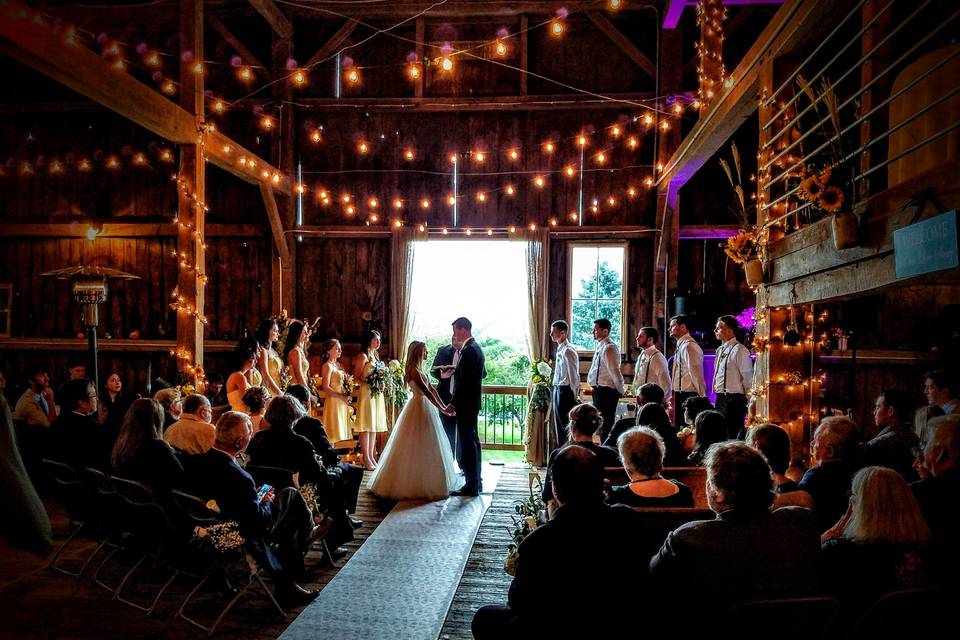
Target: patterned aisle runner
x: 400, y: 583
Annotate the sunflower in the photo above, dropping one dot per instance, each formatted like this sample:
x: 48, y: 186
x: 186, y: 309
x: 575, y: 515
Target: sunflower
x: 831, y: 199
x: 811, y: 188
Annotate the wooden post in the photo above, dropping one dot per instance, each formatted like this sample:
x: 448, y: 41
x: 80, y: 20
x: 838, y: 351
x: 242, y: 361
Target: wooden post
x: 710, y: 71
x: 284, y: 151
x: 191, y: 199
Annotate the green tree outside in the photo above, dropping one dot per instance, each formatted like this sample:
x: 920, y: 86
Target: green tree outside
x: 599, y: 296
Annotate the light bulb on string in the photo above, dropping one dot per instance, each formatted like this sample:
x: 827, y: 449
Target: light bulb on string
x: 500, y: 48
x: 538, y: 182
x: 316, y: 136
x: 266, y: 122
x: 569, y: 170
x: 510, y: 190
x: 352, y: 75
x: 514, y: 154
x: 632, y: 142
x: 299, y: 77
x: 556, y: 28
x: 413, y: 71
x: 245, y: 74
x: 446, y: 64
x: 549, y: 147
x: 409, y: 154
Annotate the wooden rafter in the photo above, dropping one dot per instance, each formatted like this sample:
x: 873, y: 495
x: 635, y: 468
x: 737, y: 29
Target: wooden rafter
x: 451, y: 8
x: 234, y: 42
x: 276, y: 224
x: 277, y: 20
x: 623, y: 43
x: 330, y: 46
x: 491, y: 103
x: 82, y: 70
x: 124, y: 230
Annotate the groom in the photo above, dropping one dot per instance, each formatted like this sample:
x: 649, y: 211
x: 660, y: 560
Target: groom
x: 465, y: 385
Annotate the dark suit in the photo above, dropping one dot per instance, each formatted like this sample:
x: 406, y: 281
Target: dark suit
x: 80, y: 441
x: 829, y: 486
x: 739, y: 556
x: 286, y: 522
x: 584, y: 547
x: 444, y: 357
x: 937, y: 497
x: 467, y: 387
x: 279, y: 447
x: 609, y: 457
x: 350, y: 475
x: 893, y: 448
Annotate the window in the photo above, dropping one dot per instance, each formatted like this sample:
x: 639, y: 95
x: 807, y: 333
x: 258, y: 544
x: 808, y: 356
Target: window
x: 597, y: 286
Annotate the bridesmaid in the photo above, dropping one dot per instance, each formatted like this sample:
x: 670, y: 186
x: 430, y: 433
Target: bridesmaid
x: 336, y: 402
x: 371, y: 409
x: 246, y: 355
x: 269, y: 363
x: 295, y: 353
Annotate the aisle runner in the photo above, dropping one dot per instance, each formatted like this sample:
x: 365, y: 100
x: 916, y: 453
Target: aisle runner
x: 400, y: 583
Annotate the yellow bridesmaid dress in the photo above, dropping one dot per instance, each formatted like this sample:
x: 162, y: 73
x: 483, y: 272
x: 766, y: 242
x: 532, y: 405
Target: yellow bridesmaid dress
x: 371, y: 409
x: 336, y: 412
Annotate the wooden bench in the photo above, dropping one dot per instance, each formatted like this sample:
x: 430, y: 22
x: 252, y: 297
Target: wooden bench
x: 693, y: 477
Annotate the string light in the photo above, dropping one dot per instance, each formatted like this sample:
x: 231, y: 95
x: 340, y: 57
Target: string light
x: 413, y: 71
x: 538, y: 182
x: 601, y: 157
x: 569, y: 170
x: 299, y: 77
x: 582, y: 140
x: 549, y: 147
x: 509, y: 190
x: 501, y: 48
x: 363, y: 148
x: 397, y: 203
x: 373, y: 203
x: 446, y: 63
x: 468, y: 231
x: 353, y: 76
x: 425, y: 203
x: 615, y: 131
x: 613, y: 5
x: 169, y: 87
x: 632, y: 142
x: 409, y: 154
x: 245, y: 74
x: 479, y: 156
x: 514, y: 154
x: 316, y: 136
x: 556, y: 28
x: 219, y: 106
x: 266, y: 122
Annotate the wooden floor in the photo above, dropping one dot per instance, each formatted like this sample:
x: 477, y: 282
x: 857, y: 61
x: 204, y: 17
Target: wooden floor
x: 39, y: 603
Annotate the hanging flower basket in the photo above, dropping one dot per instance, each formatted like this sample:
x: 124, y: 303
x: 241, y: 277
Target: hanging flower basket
x: 846, y: 230
x: 754, y: 272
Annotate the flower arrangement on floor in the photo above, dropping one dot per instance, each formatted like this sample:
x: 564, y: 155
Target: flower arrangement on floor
x: 541, y: 374
x: 529, y: 514
x: 377, y: 379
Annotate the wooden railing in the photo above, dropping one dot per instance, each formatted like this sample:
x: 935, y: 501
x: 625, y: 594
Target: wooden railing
x: 503, y: 417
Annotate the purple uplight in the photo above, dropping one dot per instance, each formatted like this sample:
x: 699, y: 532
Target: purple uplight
x: 746, y: 318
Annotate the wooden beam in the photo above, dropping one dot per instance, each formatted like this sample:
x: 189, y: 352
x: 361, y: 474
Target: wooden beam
x: 555, y: 102
x: 279, y: 22
x: 87, y: 73
x: 330, y: 46
x: 124, y: 230
x: 623, y: 43
x: 276, y: 224
x: 795, y: 23
x: 450, y: 8
x: 524, y: 53
x: 191, y: 212
x: 234, y: 42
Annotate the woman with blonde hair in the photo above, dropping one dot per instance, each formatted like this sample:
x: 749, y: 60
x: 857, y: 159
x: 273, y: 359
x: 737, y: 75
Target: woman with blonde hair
x: 371, y: 403
x: 417, y: 463
x: 879, y: 544
x: 336, y: 399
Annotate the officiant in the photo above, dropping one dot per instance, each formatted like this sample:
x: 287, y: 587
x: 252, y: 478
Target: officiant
x: 444, y: 364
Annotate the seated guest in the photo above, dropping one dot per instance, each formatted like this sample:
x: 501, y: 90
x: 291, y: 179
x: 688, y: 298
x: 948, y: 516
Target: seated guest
x: 278, y: 446
x: 76, y: 437
x: 278, y: 528
x: 350, y: 476
x: 942, y: 390
x: 36, y: 406
x: 170, y: 400
x: 893, y: 446
x: 654, y: 416
x: 922, y: 418
x: 835, y: 455
x: 642, y: 451
x: 141, y: 454
x: 586, y: 546
x: 649, y: 392
x: 774, y: 443
x: 879, y: 544
x: 748, y: 551
x: 584, y: 421
x: 108, y: 396
x: 193, y: 432
x: 691, y: 408
x: 709, y: 428
x: 256, y: 400
x: 215, y: 392
x: 937, y: 495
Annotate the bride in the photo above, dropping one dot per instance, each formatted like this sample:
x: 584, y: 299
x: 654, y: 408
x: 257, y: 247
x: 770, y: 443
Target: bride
x: 417, y: 463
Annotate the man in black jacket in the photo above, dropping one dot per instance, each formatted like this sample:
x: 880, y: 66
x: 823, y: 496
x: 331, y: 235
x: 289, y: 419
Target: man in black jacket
x: 76, y: 437
x: 588, y: 550
x: 466, y: 386
x: 279, y: 520
x: 442, y: 369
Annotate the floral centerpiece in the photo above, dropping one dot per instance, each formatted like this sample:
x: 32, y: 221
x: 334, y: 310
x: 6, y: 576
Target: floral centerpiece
x: 377, y: 379
x: 529, y: 514
x: 745, y: 247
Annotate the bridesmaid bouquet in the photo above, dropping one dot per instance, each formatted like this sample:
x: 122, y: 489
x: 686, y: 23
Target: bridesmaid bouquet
x: 377, y: 379
x: 350, y: 385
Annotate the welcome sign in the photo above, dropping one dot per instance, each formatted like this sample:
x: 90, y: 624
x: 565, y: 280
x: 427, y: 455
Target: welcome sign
x: 927, y: 246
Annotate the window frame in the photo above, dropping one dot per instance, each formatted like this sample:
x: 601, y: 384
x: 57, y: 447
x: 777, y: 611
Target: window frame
x: 623, y: 293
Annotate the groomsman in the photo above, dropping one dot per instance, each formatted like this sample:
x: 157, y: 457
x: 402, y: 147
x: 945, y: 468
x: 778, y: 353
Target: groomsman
x: 566, y: 381
x: 732, y: 376
x: 687, y: 376
x: 444, y: 364
x: 651, y: 364
x: 605, y: 376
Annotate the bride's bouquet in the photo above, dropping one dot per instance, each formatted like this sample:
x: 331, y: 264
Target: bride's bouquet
x: 377, y: 379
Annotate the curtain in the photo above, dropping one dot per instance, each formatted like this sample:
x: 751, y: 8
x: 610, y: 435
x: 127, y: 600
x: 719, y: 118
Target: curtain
x: 401, y: 281
x: 537, y: 267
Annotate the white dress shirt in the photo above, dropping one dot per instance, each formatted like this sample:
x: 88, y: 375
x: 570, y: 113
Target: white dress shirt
x: 652, y: 367
x: 605, y: 368
x: 566, y: 368
x: 687, y: 373
x: 733, y: 368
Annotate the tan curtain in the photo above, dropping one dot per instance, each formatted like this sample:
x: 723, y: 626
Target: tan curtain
x: 401, y: 282
x: 538, y: 271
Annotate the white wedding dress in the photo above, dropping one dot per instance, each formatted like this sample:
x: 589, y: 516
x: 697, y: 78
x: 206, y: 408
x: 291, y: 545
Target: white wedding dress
x: 417, y: 463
